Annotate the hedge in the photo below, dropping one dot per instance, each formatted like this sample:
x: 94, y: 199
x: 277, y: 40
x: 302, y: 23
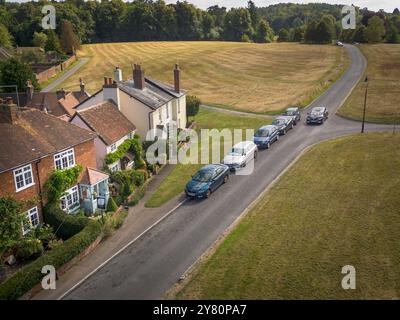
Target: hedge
x: 30, y: 275
x: 65, y: 226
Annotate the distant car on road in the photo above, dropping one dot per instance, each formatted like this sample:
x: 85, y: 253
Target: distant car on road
x: 339, y: 43
x: 265, y: 136
x: 241, y: 153
x: 317, y: 115
x: 284, y: 124
x: 207, y: 180
x: 293, y: 112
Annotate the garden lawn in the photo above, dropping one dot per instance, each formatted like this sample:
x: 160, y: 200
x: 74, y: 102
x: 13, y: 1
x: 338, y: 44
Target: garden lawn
x: 338, y: 205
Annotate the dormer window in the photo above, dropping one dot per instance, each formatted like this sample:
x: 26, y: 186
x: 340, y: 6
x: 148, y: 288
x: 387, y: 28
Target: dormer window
x: 23, y: 178
x: 113, y: 147
x: 65, y: 159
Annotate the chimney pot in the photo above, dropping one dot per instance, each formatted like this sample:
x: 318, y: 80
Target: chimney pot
x: 82, y: 86
x: 177, y: 76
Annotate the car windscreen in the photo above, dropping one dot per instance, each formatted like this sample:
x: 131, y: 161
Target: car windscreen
x: 279, y: 122
x: 261, y: 133
x: 203, y: 175
x: 237, y: 151
x: 290, y: 113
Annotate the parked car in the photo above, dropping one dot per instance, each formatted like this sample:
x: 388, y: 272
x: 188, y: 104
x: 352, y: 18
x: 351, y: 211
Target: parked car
x: 241, y: 153
x: 265, y: 136
x: 339, y: 43
x: 284, y: 124
x: 317, y: 115
x: 207, y: 180
x: 293, y: 112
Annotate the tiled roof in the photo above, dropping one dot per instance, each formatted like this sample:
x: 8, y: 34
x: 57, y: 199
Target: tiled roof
x: 107, y: 121
x: 93, y: 176
x: 34, y: 135
x: 154, y: 94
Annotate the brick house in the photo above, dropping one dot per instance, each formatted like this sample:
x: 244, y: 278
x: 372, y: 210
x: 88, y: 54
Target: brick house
x: 33, y: 144
x: 112, y: 129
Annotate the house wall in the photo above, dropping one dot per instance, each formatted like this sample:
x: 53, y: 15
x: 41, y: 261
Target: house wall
x: 100, y: 146
x: 95, y: 99
x: 85, y: 155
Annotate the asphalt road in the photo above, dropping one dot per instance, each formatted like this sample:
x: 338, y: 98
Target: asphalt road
x: 151, y: 265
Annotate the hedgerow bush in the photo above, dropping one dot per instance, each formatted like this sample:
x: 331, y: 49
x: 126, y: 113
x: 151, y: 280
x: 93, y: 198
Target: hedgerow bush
x: 65, y: 226
x: 30, y: 275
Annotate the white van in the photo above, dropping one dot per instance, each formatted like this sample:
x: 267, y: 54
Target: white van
x: 240, y: 155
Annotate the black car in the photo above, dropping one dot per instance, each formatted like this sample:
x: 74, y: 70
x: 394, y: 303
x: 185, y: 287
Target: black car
x: 284, y: 124
x: 317, y: 115
x: 293, y: 112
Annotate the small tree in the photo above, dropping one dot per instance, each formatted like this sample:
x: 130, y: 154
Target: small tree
x: 283, y: 35
x: 5, y: 37
x: 14, y: 71
x: 69, y: 40
x: 12, y: 219
x: 39, y: 39
x: 192, y: 106
x: 111, y: 205
x: 375, y: 30
x: 264, y: 33
x: 53, y: 43
x: 298, y: 35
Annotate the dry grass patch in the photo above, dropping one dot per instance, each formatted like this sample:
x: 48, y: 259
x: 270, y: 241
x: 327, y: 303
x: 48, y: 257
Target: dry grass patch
x: 383, y: 104
x: 338, y: 205
x: 245, y: 76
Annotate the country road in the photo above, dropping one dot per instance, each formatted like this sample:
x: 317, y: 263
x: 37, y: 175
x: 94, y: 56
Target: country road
x: 153, y: 263
x: 54, y: 84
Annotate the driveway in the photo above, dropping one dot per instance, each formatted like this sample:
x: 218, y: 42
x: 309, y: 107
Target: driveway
x: 149, y: 266
x: 54, y: 84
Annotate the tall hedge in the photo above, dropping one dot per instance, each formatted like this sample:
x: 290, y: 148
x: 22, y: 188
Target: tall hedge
x: 30, y: 275
x: 65, y: 226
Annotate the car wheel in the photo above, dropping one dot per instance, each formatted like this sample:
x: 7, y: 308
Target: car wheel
x: 284, y: 132
x: 226, y: 178
x: 277, y: 137
x: 291, y: 126
x: 268, y: 145
x: 255, y: 155
x: 208, y: 193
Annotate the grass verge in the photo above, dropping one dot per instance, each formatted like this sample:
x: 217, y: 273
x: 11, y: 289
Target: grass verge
x: 338, y: 206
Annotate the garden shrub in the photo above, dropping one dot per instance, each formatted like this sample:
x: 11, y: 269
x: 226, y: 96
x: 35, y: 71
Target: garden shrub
x: 118, y: 221
x: 111, y: 205
x: 30, y: 275
x: 29, y: 248
x: 65, y: 226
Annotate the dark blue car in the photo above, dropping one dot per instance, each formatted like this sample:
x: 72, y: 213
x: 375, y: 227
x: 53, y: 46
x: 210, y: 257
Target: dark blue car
x: 206, y: 180
x: 265, y: 136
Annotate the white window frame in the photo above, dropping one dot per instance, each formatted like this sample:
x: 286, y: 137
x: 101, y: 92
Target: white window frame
x: 115, y: 166
x: 23, y: 171
x: 131, y: 135
x: 67, y: 154
x: 32, y: 216
x: 113, y: 147
x: 70, y: 199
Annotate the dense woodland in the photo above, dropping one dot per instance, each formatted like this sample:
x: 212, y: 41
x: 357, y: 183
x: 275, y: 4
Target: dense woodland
x: 80, y: 21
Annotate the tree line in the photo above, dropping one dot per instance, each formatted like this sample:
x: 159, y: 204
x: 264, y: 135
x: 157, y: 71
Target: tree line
x: 80, y: 21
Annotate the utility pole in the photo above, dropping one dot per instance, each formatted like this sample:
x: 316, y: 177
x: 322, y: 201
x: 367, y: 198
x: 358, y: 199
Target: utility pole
x: 365, y: 104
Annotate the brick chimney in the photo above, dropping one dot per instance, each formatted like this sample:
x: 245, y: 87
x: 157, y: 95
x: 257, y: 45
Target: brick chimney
x: 138, y: 77
x: 29, y: 90
x: 9, y: 112
x: 111, y: 91
x: 177, y: 80
x: 82, y: 86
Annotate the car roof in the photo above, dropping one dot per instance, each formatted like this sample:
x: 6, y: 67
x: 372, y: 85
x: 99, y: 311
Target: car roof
x: 243, y: 144
x: 318, y: 108
x: 267, y: 127
x: 283, y: 118
x: 292, y: 109
x: 211, y: 167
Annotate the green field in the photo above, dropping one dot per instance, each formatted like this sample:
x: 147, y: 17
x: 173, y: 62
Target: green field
x: 175, y: 182
x: 383, y: 100
x: 248, y: 76
x: 338, y: 205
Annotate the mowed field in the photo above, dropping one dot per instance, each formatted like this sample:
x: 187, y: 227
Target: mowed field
x: 383, y: 100
x: 245, y: 76
x: 338, y: 205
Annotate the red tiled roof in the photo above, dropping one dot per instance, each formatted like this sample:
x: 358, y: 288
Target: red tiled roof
x: 107, y: 121
x: 93, y: 176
